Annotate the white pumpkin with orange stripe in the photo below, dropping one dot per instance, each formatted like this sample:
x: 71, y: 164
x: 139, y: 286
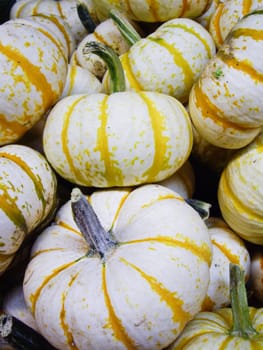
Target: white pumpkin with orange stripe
x: 28, y: 196
x: 226, y: 104
x: 152, y: 10
x: 169, y: 60
x: 227, y: 14
x: 33, y: 70
x: 240, y: 192
x: 137, y: 292
x: 228, y: 248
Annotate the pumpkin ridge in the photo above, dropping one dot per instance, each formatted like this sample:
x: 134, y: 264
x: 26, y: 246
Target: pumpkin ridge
x: 153, y: 9
x: 233, y: 258
x: 170, y: 298
x: 215, y: 22
x: 114, y: 322
x: 39, y: 188
x: 161, y: 145
x: 65, y: 140
x: 179, y: 60
x: 35, y: 8
x: 203, y: 252
x: 184, y: 8
x: 33, y: 74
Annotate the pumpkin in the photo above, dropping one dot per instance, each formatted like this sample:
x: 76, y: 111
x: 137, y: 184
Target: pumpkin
x: 136, y: 287
x: 33, y: 67
x: 107, y: 32
x: 125, y: 139
x: 205, y: 18
x: 226, y: 15
x: 240, y: 192
x: 152, y: 11
x: 169, y: 60
x: 256, y: 274
x: 238, y: 327
x: 223, y: 113
x: 228, y: 248
x: 66, y: 9
x: 28, y: 197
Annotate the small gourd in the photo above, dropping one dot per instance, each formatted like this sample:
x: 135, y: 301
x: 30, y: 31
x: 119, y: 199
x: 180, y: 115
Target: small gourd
x: 225, y: 114
x: 127, y: 274
x: 256, y: 274
x: 240, y: 192
x: 125, y: 138
x: 28, y: 197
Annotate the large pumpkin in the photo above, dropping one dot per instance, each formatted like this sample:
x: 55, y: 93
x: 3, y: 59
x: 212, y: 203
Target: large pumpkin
x: 28, y: 196
x: 122, y: 139
x: 226, y: 102
x: 136, y: 288
x: 33, y: 70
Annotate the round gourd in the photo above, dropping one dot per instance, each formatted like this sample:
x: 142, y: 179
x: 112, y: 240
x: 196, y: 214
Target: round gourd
x: 33, y: 70
x: 136, y: 288
x: 225, y: 114
x: 169, y: 60
x: 228, y: 248
x: 240, y: 194
x: 236, y: 328
x: 227, y: 14
x: 152, y: 11
x: 122, y: 139
x: 66, y: 9
x: 28, y: 196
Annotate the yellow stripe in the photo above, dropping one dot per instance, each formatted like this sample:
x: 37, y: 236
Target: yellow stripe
x: 226, y: 251
x: 100, y: 38
x: 162, y: 149
x: 215, y: 23
x: 185, y: 7
x: 170, y: 298
x: 34, y: 10
x: 130, y: 76
x: 255, y: 34
x: 114, y: 323
x: 246, y: 6
x: 66, y: 141
x: 112, y: 172
x: 192, y: 31
x: 154, y: 10
x: 203, y: 252
x: 36, y: 180
x: 180, y: 61
x: 10, y: 208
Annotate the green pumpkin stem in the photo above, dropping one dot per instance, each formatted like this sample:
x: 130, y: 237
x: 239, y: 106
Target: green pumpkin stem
x: 126, y: 29
x: 20, y: 336
x: 203, y: 208
x: 85, y: 17
x: 242, y: 326
x: 110, y: 57
x: 97, y: 237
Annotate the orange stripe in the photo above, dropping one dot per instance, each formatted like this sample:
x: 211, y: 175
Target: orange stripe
x: 246, y: 6
x: 215, y: 22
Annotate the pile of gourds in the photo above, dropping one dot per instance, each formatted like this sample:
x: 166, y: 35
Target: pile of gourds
x: 131, y: 171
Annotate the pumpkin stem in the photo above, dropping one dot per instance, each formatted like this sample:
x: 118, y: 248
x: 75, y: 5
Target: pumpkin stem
x: 127, y: 30
x: 85, y: 17
x: 20, y: 336
x: 242, y: 326
x: 110, y: 57
x: 203, y: 208
x: 87, y: 221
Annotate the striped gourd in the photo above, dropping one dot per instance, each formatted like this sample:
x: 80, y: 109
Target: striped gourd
x: 153, y: 10
x: 205, y: 18
x: 65, y: 9
x: 240, y: 192
x: 226, y: 102
x: 125, y: 138
x: 137, y: 292
x: 227, y: 14
x: 169, y: 60
x: 33, y: 70
x: 28, y: 195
